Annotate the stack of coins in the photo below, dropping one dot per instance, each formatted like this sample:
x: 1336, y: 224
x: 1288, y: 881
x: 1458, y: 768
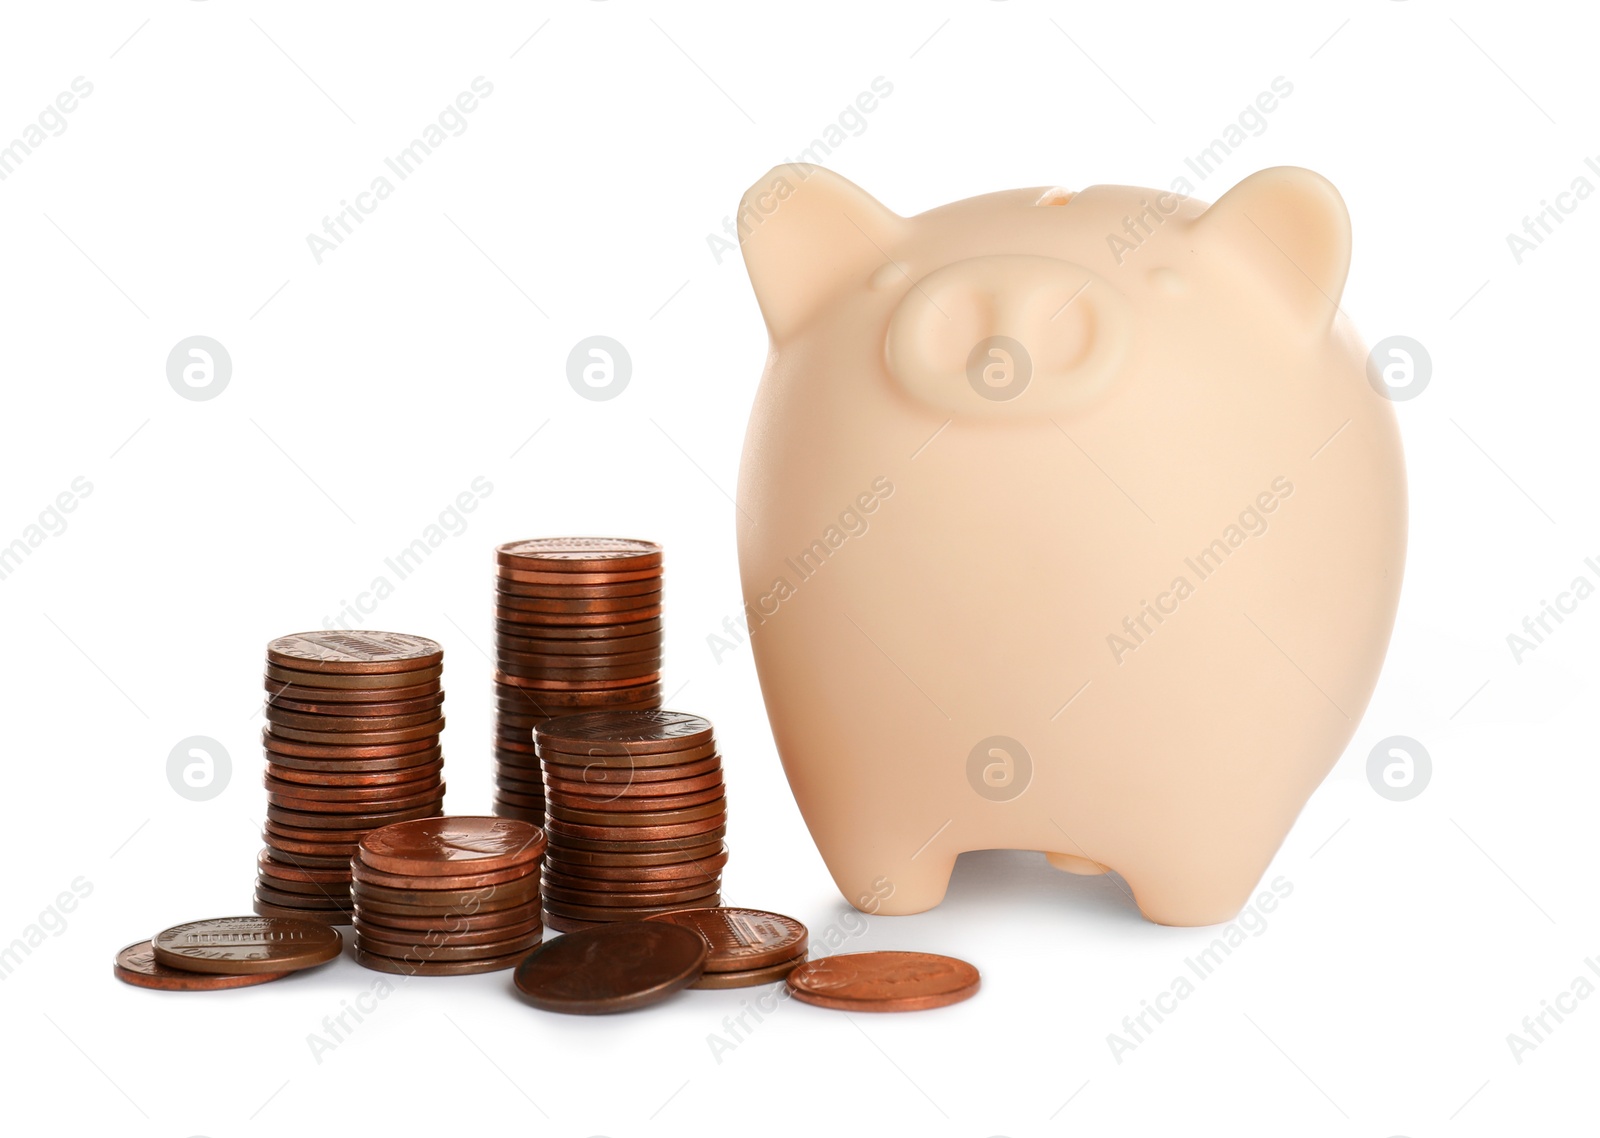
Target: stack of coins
x: 352, y: 742
x: 577, y: 628
x: 448, y: 896
x: 635, y: 815
x: 226, y: 952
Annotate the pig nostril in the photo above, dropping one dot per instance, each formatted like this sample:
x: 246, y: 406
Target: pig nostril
x: 1057, y: 195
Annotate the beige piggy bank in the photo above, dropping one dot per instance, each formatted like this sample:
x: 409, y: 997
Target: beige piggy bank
x: 1068, y: 522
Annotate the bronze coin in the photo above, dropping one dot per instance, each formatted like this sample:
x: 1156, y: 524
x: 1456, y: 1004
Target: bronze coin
x: 365, y: 710
x: 525, y: 664
x: 392, y: 796
x: 354, y: 651
x: 619, y: 899
x: 630, y: 733
x: 568, y: 857
x: 586, y: 632
x: 527, y: 801
x: 572, y: 924
x: 428, y: 730
x: 289, y: 871
x: 580, y: 793
x: 556, y: 884
x: 364, y: 724
x: 742, y: 939
x: 525, y: 781
x: 137, y: 965
x: 504, y: 571
x: 392, y: 764
x: 430, y: 797
x: 277, y: 745
x: 413, y: 965
x: 276, y: 677
x: 579, y: 554
x: 593, y: 804
x: 329, y: 917
x: 589, y: 651
x: 457, y: 951
x: 512, y: 891
x: 445, y: 921
x: 617, y: 912
x: 237, y: 946
x: 639, y: 845
x: 570, y: 619
x: 567, y: 764
x: 747, y: 979
x: 321, y: 854
x: 644, y: 819
x: 883, y: 981
x: 706, y: 866
x: 307, y: 820
x: 286, y: 900
x: 545, y: 683
x: 366, y: 874
x: 330, y: 884
x: 517, y: 693
x: 399, y: 777
x: 567, y: 606
x: 310, y: 889
x: 506, y: 810
x: 611, y: 969
x: 287, y: 692
x: 386, y: 940
x: 601, y: 772
x: 509, y: 586
x: 445, y: 846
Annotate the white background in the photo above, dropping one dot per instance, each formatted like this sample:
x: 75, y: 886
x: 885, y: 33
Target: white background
x: 369, y: 390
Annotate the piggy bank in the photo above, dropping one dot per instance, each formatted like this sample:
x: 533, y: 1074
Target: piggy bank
x: 1068, y: 522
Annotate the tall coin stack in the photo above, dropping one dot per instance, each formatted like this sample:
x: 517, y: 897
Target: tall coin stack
x: 635, y: 816
x: 577, y: 628
x: 448, y: 896
x: 352, y: 744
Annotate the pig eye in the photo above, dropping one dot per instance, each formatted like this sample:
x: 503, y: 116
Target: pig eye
x: 1169, y: 281
x: 1057, y: 195
x: 888, y: 275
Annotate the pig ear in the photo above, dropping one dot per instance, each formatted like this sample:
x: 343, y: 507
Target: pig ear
x: 808, y: 235
x: 1293, y: 225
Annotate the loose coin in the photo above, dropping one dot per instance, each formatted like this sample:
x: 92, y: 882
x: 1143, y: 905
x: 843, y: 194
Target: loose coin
x: 747, y: 979
x: 742, y: 939
x: 611, y: 969
x: 883, y: 981
x: 246, y: 945
x: 137, y: 965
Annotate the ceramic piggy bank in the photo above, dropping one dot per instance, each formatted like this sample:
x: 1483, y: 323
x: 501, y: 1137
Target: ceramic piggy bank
x: 1068, y: 522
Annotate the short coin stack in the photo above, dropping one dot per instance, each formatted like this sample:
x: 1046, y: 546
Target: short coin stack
x: 226, y: 952
x: 577, y: 628
x: 448, y: 896
x: 635, y: 815
x: 352, y: 743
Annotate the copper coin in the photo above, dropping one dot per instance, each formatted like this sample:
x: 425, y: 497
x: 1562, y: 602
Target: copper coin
x: 572, y: 924
x: 414, y: 965
x: 276, y: 677
x: 566, y: 606
x: 446, y: 921
x: 386, y: 940
x: 567, y: 856
x: 600, y: 771
x: 323, y: 807
x: 594, y: 804
x: 612, y: 969
x: 706, y: 866
x: 570, y: 619
x: 627, y: 796
x: 579, y: 554
x: 525, y: 781
x: 648, y: 582
x: 288, y: 871
x: 516, y: 693
x: 398, y: 777
x: 457, y: 951
x: 286, y: 900
x: 555, y: 884
x: 570, y: 763
x: 391, y: 764
x: 632, y: 733
x: 528, y: 801
x: 238, y: 946
x: 137, y: 965
x: 356, y: 723
x: 271, y: 873
x: 578, y: 667
x: 638, y: 845
x: 587, y: 650
x: 587, y: 632
x: 287, y: 692
x: 333, y: 892
x: 327, y: 840
x: 307, y: 820
x: 428, y: 730
x: 544, y: 683
x: 506, y: 810
x: 616, y: 899
x: 387, y: 796
x: 643, y: 818
x: 441, y: 846
x: 354, y: 651
x: 749, y: 978
x: 448, y: 898
x: 743, y: 938
x: 504, y: 572
x: 318, y: 854
x: 642, y: 781
x: 884, y: 981
x: 367, y: 709
x: 277, y: 745
x: 365, y: 873
x: 617, y: 912
x: 328, y: 917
